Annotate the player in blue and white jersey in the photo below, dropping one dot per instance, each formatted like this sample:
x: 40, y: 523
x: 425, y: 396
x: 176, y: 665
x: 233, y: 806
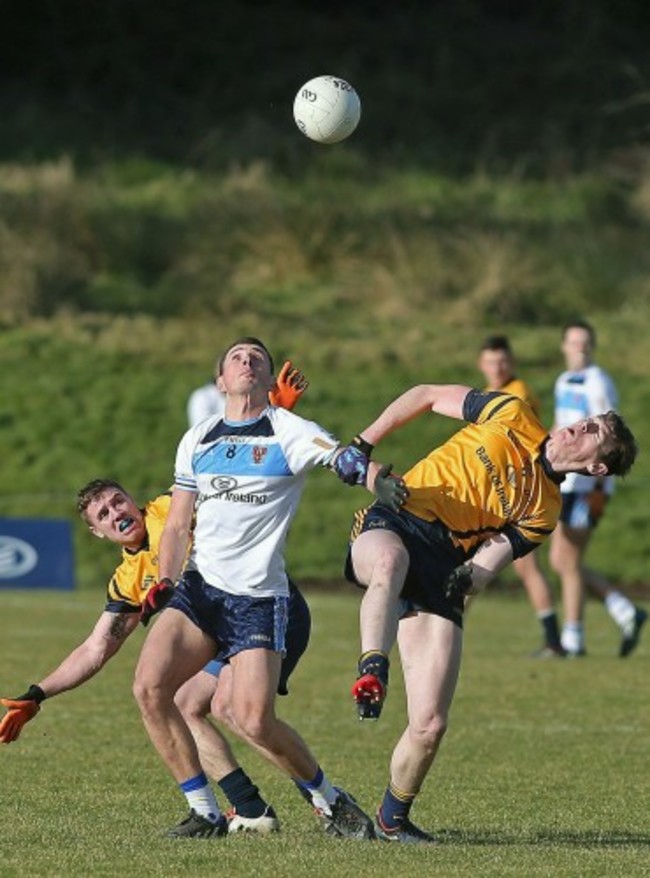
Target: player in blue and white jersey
x: 208, y: 400
x: 241, y: 476
x: 582, y: 391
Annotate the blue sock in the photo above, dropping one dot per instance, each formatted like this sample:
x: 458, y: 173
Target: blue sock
x: 376, y: 662
x: 395, y: 807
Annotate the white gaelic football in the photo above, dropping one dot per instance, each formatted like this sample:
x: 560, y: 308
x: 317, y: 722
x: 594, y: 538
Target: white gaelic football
x: 327, y: 109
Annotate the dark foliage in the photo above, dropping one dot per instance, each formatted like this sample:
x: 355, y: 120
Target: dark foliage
x: 450, y: 85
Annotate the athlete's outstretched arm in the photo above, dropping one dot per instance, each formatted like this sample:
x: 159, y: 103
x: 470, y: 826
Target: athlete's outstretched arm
x: 444, y: 399
x: 89, y: 657
x: 80, y: 665
x: 352, y: 463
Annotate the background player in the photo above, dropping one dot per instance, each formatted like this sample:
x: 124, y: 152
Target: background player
x: 583, y: 390
x: 497, y: 363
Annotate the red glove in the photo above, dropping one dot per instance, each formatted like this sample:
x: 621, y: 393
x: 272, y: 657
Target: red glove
x: 156, y: 599
x: 289, y: 387
x: 369, y: 693
x: 597, y: 500
x: 19, y: 711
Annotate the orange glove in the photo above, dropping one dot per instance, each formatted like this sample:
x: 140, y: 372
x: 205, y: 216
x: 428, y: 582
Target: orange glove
x: 289, y: 387
x: 19, y: 711
x: 597, y: 500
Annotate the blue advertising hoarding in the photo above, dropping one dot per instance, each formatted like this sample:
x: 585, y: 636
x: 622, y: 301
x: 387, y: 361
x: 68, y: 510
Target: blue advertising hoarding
x: 36, y: 553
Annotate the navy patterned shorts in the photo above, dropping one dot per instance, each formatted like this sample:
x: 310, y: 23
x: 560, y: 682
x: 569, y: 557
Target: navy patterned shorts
x: 296, y: 640
x: 234, y: 622
x: 432, y: 557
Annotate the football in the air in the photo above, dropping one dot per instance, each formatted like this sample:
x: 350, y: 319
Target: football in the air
x: 327, y: 109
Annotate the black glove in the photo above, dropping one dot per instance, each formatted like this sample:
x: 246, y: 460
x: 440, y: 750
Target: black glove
x: 389, y: 489
x: 156, y: 599
x: 459, y: 583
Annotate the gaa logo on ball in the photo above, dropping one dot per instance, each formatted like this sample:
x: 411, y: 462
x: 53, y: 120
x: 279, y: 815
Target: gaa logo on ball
x: 327, y: 109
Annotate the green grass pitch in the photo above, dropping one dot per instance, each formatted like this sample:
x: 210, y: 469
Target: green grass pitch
x: 543, y: 771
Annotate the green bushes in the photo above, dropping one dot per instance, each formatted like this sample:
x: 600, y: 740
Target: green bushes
x: 84, y: 396
x: 146, y: 238
x: 120, y: 284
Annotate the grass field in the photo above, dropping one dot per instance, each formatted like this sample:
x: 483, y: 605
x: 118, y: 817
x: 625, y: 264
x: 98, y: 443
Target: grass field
x: 543, y: 772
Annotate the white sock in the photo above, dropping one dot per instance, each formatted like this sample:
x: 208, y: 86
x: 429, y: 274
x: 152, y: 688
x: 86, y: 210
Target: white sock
x: 573, y: 637
x: 323, y: 794
x: 621, y: 609
x: 200, y: 797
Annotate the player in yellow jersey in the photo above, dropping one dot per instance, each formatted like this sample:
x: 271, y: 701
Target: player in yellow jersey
x: 496, y: 362
x: 113, y: 514
x: 487, y: 495
x: 133, y: 597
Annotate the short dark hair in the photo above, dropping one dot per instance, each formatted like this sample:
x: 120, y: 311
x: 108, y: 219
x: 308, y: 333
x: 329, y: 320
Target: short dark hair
x: 496, y: 343
x: 94, y: 489
x: 247, y: 339
x: 623, y: 450
x: 580, y: 324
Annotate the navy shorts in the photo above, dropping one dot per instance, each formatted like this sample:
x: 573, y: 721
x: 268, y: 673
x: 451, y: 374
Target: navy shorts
x: 432, y: 557
x: 296, y: 640
x: 576, y: 510
x: 234, y: 622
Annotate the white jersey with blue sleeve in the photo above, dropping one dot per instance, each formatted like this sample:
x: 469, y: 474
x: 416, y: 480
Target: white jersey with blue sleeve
x: 583, y: 394
x: 248, y: 477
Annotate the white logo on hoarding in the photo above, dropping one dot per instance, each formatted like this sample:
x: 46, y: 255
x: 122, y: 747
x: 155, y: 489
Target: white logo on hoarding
x: 16, y: 557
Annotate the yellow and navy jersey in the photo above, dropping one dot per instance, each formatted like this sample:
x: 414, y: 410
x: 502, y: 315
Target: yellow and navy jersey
x: 138, y: 570
x: 517, y: 387
x: 489, y: 477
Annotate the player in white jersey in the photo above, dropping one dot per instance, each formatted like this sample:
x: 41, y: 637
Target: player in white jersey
x: 204, y: 402
x: 244, y: 473
x: 584, y: 390
x: 208, y: 400
x: 235, y: 470
x: 208, y: 691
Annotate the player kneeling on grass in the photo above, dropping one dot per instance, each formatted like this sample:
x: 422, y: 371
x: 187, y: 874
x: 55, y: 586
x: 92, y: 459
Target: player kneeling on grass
x: 133, y: 596
x: 489, y: 494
